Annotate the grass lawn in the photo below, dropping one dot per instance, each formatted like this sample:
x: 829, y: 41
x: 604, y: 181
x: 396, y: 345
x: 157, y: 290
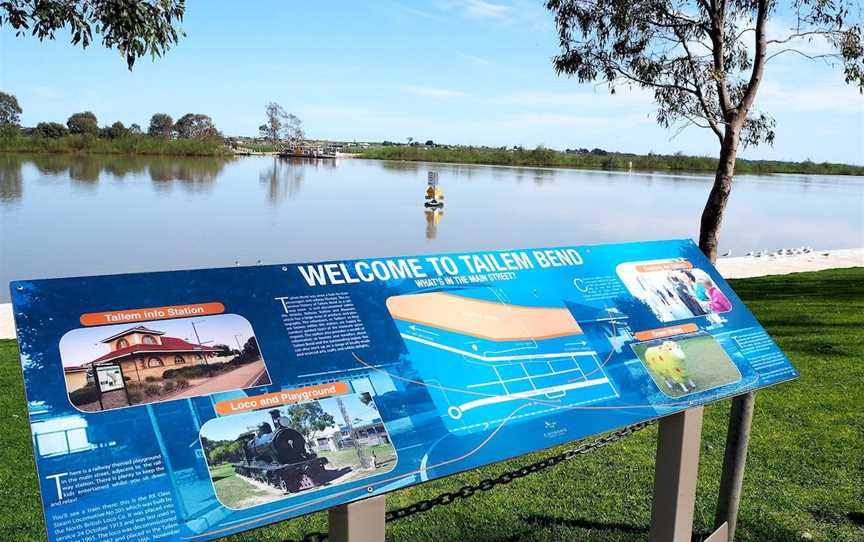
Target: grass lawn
x: 347, y: 457
x: 805, y: 470
x: 232, y: 490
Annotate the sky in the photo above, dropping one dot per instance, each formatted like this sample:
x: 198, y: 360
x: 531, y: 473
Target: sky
x: 84, y: 344
x: 454, y: 71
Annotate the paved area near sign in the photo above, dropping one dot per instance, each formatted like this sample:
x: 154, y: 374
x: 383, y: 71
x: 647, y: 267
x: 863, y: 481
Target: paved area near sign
x: 245, y: 376
x: 750, y: 266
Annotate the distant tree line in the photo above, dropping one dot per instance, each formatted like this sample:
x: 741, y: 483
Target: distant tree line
x: 162, y: 125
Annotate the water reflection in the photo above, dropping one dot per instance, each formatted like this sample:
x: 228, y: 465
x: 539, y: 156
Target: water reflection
x: 433, y: 218
x: 283, y: 178
x: 11, y: 179
x: 365, y: 208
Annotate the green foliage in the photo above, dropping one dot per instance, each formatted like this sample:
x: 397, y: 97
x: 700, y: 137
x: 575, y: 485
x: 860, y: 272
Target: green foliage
x: 115, y: 130
x: 195, y: 125
x: 51, y: 130
x: 10, y: 113
x: 596, y: 159
x: 161, y: 125
x: 308, y: 417
x: 82, y: 396
x: 83, y: 123
x: 134, y: 27
x: 230, y: 451
x: 127, y: 144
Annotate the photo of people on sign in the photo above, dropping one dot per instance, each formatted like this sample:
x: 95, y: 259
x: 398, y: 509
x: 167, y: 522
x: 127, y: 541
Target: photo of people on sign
x: 686, y: 364
x: 115, y: 366
x: 675, y: 290
x: 270, y: 454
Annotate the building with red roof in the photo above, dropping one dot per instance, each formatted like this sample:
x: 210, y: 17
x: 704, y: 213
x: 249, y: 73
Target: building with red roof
x: 143, y: 352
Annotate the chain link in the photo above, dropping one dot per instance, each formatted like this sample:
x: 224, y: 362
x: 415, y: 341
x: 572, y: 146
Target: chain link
x: 469, y: 490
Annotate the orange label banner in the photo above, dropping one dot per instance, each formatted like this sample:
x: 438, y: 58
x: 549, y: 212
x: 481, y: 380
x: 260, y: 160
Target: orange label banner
x: 667, y: 266
x: 152, y: 313
x: 279, y: 398
x: 661, y: 332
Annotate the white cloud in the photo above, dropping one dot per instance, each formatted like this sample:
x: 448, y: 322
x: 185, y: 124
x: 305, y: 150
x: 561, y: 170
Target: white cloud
x: 432, y: 92
x: 474, y: 59
x: 825, y: 98
x: 623, y: 96
x: 484, y: 10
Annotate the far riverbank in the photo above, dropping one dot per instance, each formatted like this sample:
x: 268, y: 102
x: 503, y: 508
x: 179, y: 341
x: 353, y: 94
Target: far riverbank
x: 596, y: 159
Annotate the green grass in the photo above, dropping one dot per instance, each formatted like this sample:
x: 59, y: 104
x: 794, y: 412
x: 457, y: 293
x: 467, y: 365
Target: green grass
x: 541, y: 157
x: 232, y: 489
x: 130, y: 144
x: 805, y: 468
x: 707, y: 365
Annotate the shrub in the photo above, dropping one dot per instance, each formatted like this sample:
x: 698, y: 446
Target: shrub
x: 151, y: 390
x: 181, y: 383
x: 87, y: 394
x: 150, y: 379
x: 168, y: 386
x: 135, y: 395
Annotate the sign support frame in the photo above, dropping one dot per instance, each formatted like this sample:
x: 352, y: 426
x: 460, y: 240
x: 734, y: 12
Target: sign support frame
x: 361, y: 521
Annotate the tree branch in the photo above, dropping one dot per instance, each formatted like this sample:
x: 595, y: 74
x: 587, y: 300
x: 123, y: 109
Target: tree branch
x: 758, y: 61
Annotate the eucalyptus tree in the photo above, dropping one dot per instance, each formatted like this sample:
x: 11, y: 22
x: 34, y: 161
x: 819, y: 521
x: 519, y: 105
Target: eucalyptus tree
x: 134, y: 27
x: 280, y: 125
x: 704, y: 61
x: 10, y: 112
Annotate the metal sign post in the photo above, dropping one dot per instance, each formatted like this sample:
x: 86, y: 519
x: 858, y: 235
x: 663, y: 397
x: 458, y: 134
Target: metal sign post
x: 361, y: 521
x: 675, y: 474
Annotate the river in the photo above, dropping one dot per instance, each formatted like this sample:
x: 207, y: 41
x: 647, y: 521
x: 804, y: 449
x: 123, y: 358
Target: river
x: 64, y: 215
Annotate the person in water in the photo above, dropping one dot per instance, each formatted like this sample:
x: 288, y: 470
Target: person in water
x: 718, y: 300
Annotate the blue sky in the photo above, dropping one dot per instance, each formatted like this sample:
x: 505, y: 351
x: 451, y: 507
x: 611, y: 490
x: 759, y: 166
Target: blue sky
x: 455, y: 71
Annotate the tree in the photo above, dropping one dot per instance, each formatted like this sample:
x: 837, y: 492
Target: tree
x: 116, y: 130
x: 135, y: 128
x: 194, y: 125
x: 704, y: 61
x: 134, y: 27
x: 161, y: 125
x: 309, y: 417
x: 51, y: 129
x: 10, y: 112
x: 280, y: 125
x: 83, y: 123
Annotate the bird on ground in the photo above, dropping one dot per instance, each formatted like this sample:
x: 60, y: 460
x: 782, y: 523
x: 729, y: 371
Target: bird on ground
x: 751, y: 253
x: 726, y: 254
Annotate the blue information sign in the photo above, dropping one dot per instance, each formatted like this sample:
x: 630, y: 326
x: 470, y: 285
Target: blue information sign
x: 189, y: 405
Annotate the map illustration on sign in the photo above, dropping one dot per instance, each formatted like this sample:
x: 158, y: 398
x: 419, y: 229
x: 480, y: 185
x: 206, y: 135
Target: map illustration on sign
x: 480, y: 354
x: 191, y: 405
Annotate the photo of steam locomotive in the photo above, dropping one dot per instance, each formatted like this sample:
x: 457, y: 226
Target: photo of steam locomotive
x: 278, y: 455
x: 260, y: 456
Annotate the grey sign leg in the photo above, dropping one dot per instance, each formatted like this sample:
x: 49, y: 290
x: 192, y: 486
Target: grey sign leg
x: 737, y: 438
x: 361, y: 521
x: 675, y: 474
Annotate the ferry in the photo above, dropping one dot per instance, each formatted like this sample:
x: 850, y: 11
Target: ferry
x: 308, y: 151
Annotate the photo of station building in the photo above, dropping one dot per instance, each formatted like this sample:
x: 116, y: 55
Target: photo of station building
x: 143, y: 352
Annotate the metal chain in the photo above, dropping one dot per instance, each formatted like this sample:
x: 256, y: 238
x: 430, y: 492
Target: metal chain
x: 505, y: 478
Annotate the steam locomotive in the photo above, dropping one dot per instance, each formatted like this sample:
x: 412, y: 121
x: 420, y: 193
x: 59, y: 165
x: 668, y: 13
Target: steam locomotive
x: 277, y: 456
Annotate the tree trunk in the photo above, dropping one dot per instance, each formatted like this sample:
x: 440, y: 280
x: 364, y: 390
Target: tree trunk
x: 712, y: 215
